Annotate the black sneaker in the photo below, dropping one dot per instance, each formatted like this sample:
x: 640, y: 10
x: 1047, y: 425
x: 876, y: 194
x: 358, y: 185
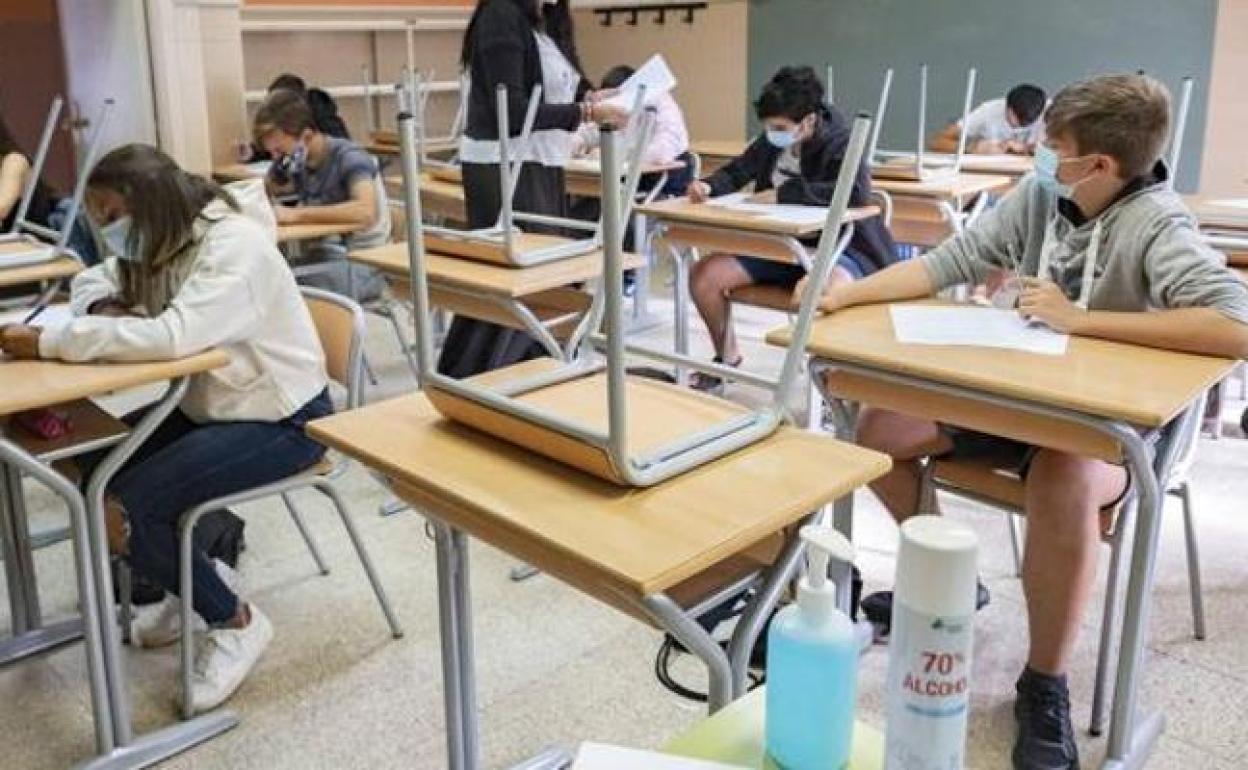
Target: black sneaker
x: 878, y: 609
x: 1046, y: 741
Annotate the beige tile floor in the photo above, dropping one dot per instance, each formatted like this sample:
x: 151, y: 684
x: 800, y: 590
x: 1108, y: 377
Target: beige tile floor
x: 334, y: 691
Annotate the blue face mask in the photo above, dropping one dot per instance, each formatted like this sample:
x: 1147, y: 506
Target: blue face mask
x: 781, y: 140
x: 293, y: 162
x: 116, y: 236
x: 1046, y: 164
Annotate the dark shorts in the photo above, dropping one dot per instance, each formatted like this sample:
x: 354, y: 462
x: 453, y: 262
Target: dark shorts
x: 768, y: 272
x: 1005, y: 453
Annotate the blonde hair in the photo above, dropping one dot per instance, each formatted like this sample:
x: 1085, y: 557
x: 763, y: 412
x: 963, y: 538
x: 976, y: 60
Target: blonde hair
x: 1126, y: 117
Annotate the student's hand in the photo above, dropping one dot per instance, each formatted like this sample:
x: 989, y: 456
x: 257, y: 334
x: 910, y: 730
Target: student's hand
x: 699, y: 192
x: 111, y: 307
x: 988, y: 147
x: 602, y: 93
x: 286, y: 215
x: 20, y: 341
x: 1017, y: 147
x: 767, y: 196
x: 831, y: 301
x: 1044, y: 301
x: 610, y: 115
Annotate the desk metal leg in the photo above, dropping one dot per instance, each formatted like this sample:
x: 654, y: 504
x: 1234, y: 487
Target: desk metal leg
x: 24, y: 545
x: 14, y: 457
x: 458, y: 679
x: 750, y: 625
x: 673, y: 618
x: 161, y: 744
x: 1130, y: 739
x: 680, y: 304
x: 14, y: 565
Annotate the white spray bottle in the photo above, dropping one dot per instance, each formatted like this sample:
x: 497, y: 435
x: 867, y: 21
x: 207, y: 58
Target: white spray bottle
x: 929, y: 657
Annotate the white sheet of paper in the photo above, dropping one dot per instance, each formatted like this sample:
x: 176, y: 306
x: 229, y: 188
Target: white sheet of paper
x: 1235, y: 203
x: 730, y: 200
x: 600, y: 756
x: 986, y: 327
x: 654, y: 75
x: 53, y: 317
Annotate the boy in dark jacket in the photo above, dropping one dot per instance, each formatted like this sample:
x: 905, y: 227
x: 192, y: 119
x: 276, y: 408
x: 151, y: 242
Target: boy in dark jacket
x: 796, y: 160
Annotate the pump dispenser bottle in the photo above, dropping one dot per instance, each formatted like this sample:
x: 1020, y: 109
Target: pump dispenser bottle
x: 812, y: 666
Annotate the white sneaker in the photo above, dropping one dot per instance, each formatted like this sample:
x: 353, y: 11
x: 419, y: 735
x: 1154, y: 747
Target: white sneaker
x: 225, y: 657
x: 161, y: 625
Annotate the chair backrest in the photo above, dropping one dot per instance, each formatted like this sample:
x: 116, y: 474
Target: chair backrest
x: 339, y: 324
x: 1188, y: 441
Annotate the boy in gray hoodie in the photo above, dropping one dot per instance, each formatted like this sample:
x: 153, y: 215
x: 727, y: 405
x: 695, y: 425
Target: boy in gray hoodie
x: 1104, y: 249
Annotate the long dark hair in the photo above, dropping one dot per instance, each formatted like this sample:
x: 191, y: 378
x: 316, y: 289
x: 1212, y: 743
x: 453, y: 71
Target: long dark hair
x: 555, y: 20
x: 164, y: 201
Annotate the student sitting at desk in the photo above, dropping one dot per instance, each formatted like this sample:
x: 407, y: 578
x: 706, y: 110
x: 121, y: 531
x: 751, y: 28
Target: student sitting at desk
x: 335, y: 181
x: 797, y: 160
x: 668, y: 144
x: 45, y: 207
x: 324, y: 111
x: 1126, y: 263
x: 1010, y: 125
x: 196, y: 274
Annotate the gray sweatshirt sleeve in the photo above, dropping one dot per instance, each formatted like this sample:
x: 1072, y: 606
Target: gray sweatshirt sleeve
x: 995, y: 240
x: 1184, y: 272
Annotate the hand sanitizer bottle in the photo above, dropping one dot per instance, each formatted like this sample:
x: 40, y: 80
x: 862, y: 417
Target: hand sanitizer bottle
x: 812, y: 666
x: 929, y: 648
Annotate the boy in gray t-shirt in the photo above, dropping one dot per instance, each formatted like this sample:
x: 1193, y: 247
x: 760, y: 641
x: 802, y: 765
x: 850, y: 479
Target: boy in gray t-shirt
x: 334, y: 180
x: 1106, y: 249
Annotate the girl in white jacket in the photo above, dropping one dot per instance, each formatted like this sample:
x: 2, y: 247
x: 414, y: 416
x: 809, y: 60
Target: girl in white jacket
x: 189, y: 273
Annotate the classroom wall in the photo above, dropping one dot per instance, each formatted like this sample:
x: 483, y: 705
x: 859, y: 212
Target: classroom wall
x: 1051, y: 43
x: 1225, y: 167
x: 706, y: 57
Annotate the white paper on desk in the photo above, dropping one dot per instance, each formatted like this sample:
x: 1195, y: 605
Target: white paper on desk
x: 599, y: 756
x: 53, y: 317
x: 654, y: 75
x: 986, y: 327
x: 730, y: 200
x: 1234, y: 203
x: 787, y: 212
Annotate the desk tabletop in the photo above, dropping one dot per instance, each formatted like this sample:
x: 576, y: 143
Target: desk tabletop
x: 1009, y: 165
x: 487, y: 278
x: 735, y: 735
x: 239, y: 172
x: 719, y: 148
x: 683, y: 211
x: 636, y: 542
x: 954, y: 186
x: 1219, y: 211
x: 1145, y: 387
x: 34, y: 384
x: 52, y: 270
x: 312, y: 231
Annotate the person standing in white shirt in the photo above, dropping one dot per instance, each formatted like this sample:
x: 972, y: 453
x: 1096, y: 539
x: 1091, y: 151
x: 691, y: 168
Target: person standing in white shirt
x: 190, y: 272
x: 670, y: 140
x: 1010, y: 125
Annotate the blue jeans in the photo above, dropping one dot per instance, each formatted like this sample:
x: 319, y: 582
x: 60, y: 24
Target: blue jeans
x: 184, y: 464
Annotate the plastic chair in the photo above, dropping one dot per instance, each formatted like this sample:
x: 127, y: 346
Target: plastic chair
x: 340, y: 325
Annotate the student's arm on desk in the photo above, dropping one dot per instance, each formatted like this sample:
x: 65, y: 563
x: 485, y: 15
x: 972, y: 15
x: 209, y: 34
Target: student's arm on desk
x: 904, y: 280
x: 219, y: 304
x: 1200, y: 330
x: 361, y: 210
x: 947, y: 141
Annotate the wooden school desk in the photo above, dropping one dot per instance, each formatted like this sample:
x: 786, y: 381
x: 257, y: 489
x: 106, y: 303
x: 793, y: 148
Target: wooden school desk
x: 386, y: 142
x: 926, y: 213
x: 312, y: 231
x: 683, y: 227
x: 35, y: 384
x: 52, y: 270
x: 735, y: 736
x: 1224, y: 225
x: 1101, y: 399
x: 639, y: 550
x: 240, y: 172
x: 438, y: 197
x: 716, y: 153
x: 541, y: 299
x: 999, y: 164
x: 582, y: 176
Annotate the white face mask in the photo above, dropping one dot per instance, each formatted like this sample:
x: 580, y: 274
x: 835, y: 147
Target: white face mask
x: 116, y: 236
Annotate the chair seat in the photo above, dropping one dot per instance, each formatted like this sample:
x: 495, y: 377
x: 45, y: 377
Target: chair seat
x: 981, y: 478
x: 91, y: 429
x: 765, y: 296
